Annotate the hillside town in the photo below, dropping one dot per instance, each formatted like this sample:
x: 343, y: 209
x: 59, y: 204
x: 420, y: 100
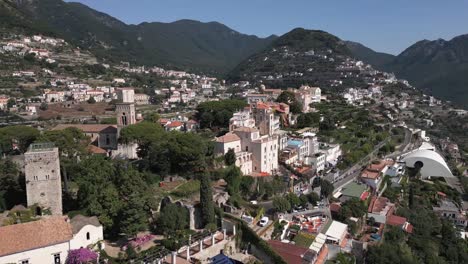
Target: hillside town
x: 119, y: 163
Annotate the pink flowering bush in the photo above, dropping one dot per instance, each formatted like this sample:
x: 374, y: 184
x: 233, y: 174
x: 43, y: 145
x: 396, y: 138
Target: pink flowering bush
x: 81, y: 256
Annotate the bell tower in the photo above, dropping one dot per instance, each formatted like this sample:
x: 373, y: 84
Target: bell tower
x: 125, y: 109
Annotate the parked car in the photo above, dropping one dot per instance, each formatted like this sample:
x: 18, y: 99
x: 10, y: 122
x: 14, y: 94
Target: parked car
x: 264, y: 221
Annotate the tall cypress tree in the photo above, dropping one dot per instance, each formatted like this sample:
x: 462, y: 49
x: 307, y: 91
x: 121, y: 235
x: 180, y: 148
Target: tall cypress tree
x: 206, y: 199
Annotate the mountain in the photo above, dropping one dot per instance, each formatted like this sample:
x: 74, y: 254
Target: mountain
x: 298, y: 57
x: 185, y: 44
x: 13, y: 20
x: 437, y: 67
x: 377, y: 59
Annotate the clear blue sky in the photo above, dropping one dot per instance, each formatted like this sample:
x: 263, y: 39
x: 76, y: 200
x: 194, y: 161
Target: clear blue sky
x: 383, y: 25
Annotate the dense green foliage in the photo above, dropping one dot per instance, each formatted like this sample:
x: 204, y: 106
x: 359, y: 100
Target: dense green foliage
x: 352, y: 208
x: 173, y: 218
x: 206, y: 200
x: 21, y: 136
x: 326, y: 188
x: 115, y: 192
x: 217, y: 113
x: 12, y: 189
x: 168, y: 152
x: 433, y: 240
x: 230, y: 157
x: 288, y: 98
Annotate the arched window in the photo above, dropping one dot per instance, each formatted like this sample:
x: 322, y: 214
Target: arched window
x: 87, y: 236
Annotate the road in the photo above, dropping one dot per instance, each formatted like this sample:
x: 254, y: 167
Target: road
x: 351, y: 173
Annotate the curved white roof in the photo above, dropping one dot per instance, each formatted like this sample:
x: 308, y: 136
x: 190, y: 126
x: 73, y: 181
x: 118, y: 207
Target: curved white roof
x: 433, y: 163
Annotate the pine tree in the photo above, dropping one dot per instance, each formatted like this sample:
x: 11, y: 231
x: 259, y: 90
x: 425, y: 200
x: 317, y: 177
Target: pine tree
x: 206, y: 200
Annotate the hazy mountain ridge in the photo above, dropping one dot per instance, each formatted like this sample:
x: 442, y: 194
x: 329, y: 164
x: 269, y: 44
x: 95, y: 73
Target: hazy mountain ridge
x: 438, y: 67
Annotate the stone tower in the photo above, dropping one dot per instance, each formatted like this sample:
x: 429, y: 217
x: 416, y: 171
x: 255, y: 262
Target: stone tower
x: 43, y: 183
x: 125, y: 114
x: 125, y: 109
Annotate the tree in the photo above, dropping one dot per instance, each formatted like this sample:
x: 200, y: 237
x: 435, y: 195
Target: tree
x: 173, y: 218
x: 97, y: 195
x: 230, y: 157
x: 44, y: 106
x: 289, y: 98
x: 134, y: 215
x: 11, y: 191
x: 232, y: 176
x: 352, y: 208
x: 304, y: 200
x: 293, y: 199
x: 11, y: 102
x: 217, y: 113
x: 313, y: 198
x: 72, y: 144
x: 91, y: 100
x: 82, y: 255
x: 20, y: 136
x: 281, y: 204
x: 326, y: 188
x: 308, y: 120
x: 206, y: 200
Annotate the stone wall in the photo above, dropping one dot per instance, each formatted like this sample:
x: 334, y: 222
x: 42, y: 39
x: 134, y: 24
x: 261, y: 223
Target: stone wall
x: 43, y: 182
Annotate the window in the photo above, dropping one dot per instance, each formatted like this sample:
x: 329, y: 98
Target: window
x: 87, y: 236
x: 57, y: 258
x: 107, y: 140
x: 25, y: 261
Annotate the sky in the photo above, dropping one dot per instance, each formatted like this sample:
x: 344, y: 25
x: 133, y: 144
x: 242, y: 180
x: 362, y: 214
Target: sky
x: 384, y: 25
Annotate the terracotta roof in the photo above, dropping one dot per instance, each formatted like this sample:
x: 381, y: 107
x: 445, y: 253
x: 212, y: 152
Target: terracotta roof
x: 367, y: 174
x: 87, y: 128
x: 395, y: 220
x: 261, y: 105
x: 292, y: 254
x: 175, y: 124
x: 36, y: 234
x: 229, y: 137
x: 377, y: 204
x: 96, y: 150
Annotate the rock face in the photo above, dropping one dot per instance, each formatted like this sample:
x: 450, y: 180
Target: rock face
x: 43, y: 182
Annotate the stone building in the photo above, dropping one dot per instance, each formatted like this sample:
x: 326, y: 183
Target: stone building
x: 43, y: 183
x: 125, y: 109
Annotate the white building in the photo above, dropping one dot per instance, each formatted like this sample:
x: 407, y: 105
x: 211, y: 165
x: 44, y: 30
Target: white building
x: 253, y: 98
x: 142, y: 99
x: 96, y: 94
x: 48, y: 240
x: 53, y: 97
x: 264, y: 149
x: 241, y: 119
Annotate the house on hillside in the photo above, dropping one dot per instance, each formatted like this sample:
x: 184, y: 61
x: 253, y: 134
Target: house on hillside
x: 48, y: 240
